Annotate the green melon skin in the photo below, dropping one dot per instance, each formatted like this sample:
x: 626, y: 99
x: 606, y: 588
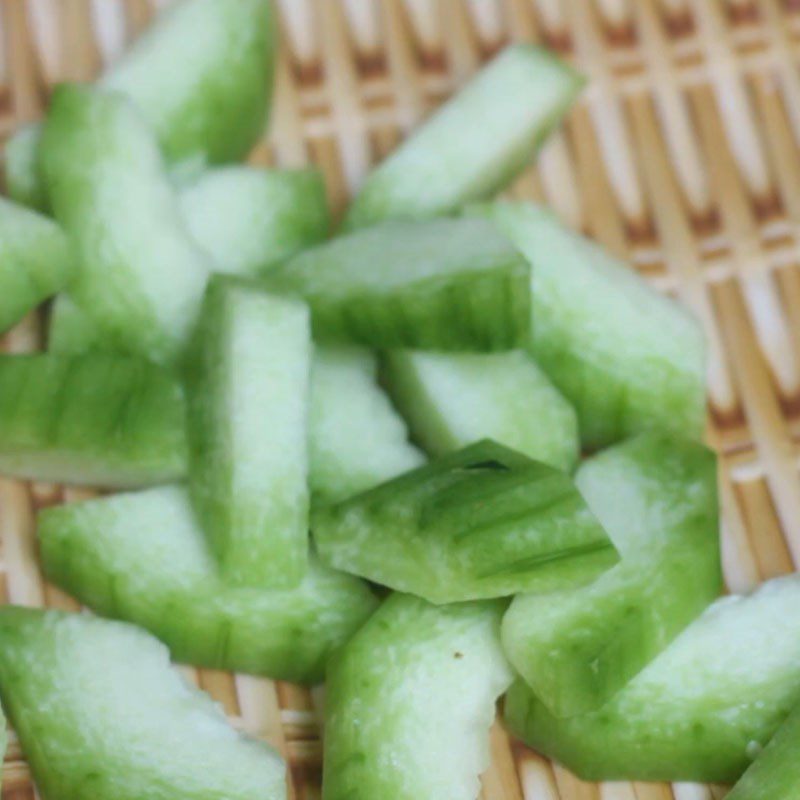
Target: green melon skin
x: 482, y: 522
x: 247, y: 388
x: 701, y: 711
x: 626, y: 357
x: 141, y: 275
x: 356, y: 439
x: 36, y: 261
x: 447, y: 284
x: 201, y: 76
x: 249, y: 219
x: 454, y: 399
x: 100, y: 713
x: 410, y: 700
x: 95, y: 420
x: 475, y: 143
x: 142, y: 558
x: 775, y: 774
x: 657, y: 498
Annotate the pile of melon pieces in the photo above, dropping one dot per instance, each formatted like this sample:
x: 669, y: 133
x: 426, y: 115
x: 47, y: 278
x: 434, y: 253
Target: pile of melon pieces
x: 448, y: 452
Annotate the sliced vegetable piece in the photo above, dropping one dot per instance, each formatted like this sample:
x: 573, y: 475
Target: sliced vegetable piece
x: 628, y: 358
x: 142, y: 558
x: 410, y: 700
x: 476, y: 143
x: 453, y: 399
x: 356, y: 439
x: 247, y: 390
x: 482, y: 522
x: 97, y: 420
x: 448, y: 284
x: 775, y: 774
x: 701, y: 711
x: 201, y: 76
x: 100, y: 713
x: 250, y: 219
x: 657, y: 498
x: 141, y: 275
x: 35, y: 261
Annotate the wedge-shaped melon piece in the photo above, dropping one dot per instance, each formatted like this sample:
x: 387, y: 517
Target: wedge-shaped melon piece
x: 410, y: 700
x: 453, y: 399
x: 657, y: 498
x: 250, y: 219
x: 201, y: 76
x: 247, y: 379
x: 482, y: 522
x: 96, y: 420
x: 448, y: 284
x: 143, y: 558
x: 356, y: 439
x: 701, y: 711
x: 100, y: 713
x: 476, y: 143
x: 35, y: 261
x: 628, y: 358
x: 775, y: 774
x: 141, y: 275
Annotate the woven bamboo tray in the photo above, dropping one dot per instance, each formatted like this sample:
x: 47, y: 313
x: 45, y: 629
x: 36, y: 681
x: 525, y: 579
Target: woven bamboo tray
x: 682, y: 156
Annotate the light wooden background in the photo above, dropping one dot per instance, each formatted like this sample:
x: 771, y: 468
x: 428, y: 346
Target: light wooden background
x: 682, y: 156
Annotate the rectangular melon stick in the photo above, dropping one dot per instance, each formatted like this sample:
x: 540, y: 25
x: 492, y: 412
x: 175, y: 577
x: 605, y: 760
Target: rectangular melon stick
x: 249, y: 219
x: 97, y: 420
x: 100, y: 713
x: 482, y: 522
x: 409, y: 702
x: 356, y: 439
x: 657, y: 498
x: 247, y: 386
x: 143, y: 558
x: 201, y: 76
x: 141, y: 275
x: 475, y: 143
x: 775, y: 774
x: 446, y: 284
x: 628, y: 358
x: 451, y: 400
x: 701, y: 711
x: 36, y: 261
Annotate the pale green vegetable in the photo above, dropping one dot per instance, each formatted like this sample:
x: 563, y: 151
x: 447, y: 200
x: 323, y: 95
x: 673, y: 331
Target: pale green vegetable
x: 141, y: 276
x: 96, y: 419
x: 100, y: 713
x: 475, y: 143
x: 628, y: 358
x: 247, y: 379
x: 410, y: 700
x: 453, y: 399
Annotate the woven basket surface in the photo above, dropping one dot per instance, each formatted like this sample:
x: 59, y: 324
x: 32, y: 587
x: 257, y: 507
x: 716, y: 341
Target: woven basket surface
x: 682, y: 156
